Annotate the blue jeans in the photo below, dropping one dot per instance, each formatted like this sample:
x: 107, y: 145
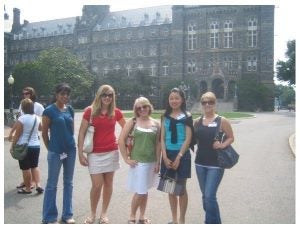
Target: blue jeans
x: 209, y: 180
x: 50, y: 212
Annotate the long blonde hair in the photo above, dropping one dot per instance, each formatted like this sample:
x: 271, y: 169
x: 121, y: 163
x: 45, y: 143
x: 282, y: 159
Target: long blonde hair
x: 97, y: 105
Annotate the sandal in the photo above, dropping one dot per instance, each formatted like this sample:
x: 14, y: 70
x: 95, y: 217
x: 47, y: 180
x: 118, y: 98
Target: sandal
x: 39, y: 190
x: 22, y: 185
x: 68, y: 221
x: 144, y: 221
x: 89, y: 220
x: 103, y: 220
x: 23, y: 191
x: 131, y: 222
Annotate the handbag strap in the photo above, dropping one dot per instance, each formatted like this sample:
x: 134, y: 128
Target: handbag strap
x: 133, y: 125
x: 218, y: 120
x: 31, y: 130
x: 90, y: 120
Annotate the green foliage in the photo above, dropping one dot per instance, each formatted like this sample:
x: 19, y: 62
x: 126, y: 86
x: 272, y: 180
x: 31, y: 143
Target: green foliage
x: 253, y: 96
x: 285, y: 94
x: 286, y: 69
x: 52, y: 67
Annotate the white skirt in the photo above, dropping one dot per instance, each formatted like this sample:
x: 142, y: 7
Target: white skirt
x: 104, y: 162
x: 142, y: 177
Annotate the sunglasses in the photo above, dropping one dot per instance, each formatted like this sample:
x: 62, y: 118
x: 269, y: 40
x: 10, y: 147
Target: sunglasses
x: 26, y: 93
x: 140, y: 108
x: 207, y: 102
x: 110, y: 95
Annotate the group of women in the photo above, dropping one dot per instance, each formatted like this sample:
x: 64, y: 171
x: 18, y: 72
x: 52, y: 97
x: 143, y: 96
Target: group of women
x: 159, y: 147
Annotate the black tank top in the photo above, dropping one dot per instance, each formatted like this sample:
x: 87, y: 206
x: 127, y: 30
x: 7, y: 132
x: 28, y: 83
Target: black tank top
x: 205, y: 136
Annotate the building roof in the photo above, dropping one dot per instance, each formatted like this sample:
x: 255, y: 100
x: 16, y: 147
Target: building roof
x: 137, y: 17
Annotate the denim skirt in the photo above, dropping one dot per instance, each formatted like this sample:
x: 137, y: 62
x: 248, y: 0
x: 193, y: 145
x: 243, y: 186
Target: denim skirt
x: 184, y: 169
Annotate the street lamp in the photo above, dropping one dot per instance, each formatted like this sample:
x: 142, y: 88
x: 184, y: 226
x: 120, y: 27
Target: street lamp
x: 11, y: 81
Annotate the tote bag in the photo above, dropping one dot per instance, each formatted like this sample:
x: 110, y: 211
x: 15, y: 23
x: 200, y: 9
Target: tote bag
x: 88, y: 144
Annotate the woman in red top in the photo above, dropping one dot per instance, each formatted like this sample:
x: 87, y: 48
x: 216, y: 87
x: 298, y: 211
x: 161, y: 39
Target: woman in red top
x: 104, y: 159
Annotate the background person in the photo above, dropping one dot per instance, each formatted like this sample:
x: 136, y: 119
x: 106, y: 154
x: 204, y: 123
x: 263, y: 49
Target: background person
x: 27, y: 92
x: 29, y: 165
x: 58, y: 118
x: 144, y: 159
x: 176, y: 137
x: 104, y: 160
x: 208, y: 173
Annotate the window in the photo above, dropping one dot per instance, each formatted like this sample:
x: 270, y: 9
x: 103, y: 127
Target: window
x: 152, y: 69
x: 165, y: 68
x: 228, y: 35
x: 191, y: 66
x: 128, y: 68
x: 152, y: 51
x: 228, y: 63
x: 105, y: 71
x: 252, y: 63
x: 192, y: 37
x: 214, y: 35
x: 252, y: 32
x: 140, y: 67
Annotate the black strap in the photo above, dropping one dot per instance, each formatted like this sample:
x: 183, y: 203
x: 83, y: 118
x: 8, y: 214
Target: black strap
x: 218, y: 120
x: 132, y: 128
x: 31, y: 130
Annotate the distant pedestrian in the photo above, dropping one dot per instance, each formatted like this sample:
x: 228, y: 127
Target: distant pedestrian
x: 209, y: 174
x: 144, y: 160
x: 176, y: 137
x: 58, y: 118
x: 29, y: 165
x: 27, y: 92
x: 104, y: 159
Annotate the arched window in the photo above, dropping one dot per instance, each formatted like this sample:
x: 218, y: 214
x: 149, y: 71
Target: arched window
x: 191, y: 66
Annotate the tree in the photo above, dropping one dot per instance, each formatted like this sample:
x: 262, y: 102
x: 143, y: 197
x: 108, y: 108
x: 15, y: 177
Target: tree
x: 286, y: 69
x: 55, y: 66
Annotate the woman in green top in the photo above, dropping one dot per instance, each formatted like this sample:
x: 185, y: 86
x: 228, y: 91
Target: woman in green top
x: 144, y: 159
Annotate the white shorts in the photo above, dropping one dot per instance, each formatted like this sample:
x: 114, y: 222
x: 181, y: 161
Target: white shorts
x: 104, y: 162
x: 142, y: 177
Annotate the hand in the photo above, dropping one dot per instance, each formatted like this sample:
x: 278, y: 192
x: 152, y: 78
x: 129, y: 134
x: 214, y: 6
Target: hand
x: 132, y: 163
x: 168, y: 163
x: 83, y: 160
x: 176, y: 163
x: 218, y: 145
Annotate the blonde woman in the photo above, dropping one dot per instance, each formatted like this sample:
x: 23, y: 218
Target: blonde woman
x: 104, y: 159
x: 144, y: 159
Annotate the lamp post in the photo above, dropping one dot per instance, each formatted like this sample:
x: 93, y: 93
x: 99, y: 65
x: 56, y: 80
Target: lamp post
x: 11, y: 81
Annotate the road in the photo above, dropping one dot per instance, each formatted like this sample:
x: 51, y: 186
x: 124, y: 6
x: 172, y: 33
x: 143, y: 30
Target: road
x: 260, y: 189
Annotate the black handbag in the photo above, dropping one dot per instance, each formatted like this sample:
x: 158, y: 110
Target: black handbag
x: 226, y: 157
x: 19, y: 152
x: 171, y: 185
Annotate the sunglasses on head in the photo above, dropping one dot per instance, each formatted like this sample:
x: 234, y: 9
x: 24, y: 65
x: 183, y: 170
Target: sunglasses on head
x: 140, y: 108
x: 110, y: 95
x: 207, y: 102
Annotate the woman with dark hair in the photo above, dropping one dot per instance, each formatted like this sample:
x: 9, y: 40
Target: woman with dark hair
x: 58, y: 118
x: 29, y: 165
x: 176, y: 138
x: 27, y: 92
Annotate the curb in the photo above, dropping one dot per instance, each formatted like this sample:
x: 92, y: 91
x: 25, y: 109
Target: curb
x: 292, y: 144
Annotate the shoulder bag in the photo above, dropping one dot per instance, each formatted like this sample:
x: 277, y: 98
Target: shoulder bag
x: 19, y: 151
x: 171, y: 185
x: 130, y: 139
x: 88, y: 144
x: 226, y: 157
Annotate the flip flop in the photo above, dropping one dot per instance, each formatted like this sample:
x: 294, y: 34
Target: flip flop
x: 23, y: 191
x: 103, y: 220
x: 144, y: 221
x: 131, y: 222
x: 89, y: 220
x: 39, y: 190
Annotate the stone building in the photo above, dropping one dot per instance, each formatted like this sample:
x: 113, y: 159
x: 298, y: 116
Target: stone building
x: 214, y: 45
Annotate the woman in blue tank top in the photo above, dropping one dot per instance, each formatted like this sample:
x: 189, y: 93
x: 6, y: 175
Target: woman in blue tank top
x: 176, y: 138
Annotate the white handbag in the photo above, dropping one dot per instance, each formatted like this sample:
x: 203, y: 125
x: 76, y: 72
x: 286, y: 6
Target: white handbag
x: 88, y: 144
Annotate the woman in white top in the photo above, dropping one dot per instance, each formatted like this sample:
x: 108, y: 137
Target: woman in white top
x: 27, y: 92
x: 29, y: 165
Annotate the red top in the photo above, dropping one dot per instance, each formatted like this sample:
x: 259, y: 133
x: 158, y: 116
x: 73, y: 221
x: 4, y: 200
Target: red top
x: 104, y: 136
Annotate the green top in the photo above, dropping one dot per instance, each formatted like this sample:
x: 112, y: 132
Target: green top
x: 144, y: 147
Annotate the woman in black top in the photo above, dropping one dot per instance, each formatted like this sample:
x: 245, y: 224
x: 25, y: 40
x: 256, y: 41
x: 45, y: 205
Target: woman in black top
x: 208, y: 172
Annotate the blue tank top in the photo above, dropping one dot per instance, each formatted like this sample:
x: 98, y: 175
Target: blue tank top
x: 61, y: 129
x: 180, y: 127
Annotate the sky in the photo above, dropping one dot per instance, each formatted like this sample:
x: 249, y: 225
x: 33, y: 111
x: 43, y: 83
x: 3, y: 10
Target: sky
x: 41, y: 10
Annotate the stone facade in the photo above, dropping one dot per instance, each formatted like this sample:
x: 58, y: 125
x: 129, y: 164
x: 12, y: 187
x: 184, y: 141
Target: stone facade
x: 214, y: 45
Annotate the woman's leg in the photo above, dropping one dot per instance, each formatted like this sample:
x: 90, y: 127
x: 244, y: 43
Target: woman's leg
x: 183, y: 202
x: 27, y: 179
x: 143, y: 205
x: 97, y: 183
x: 107, y: 192
x: 173, y: 200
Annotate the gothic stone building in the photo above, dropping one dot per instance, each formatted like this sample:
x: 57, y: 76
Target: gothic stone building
x: 213, y: 44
